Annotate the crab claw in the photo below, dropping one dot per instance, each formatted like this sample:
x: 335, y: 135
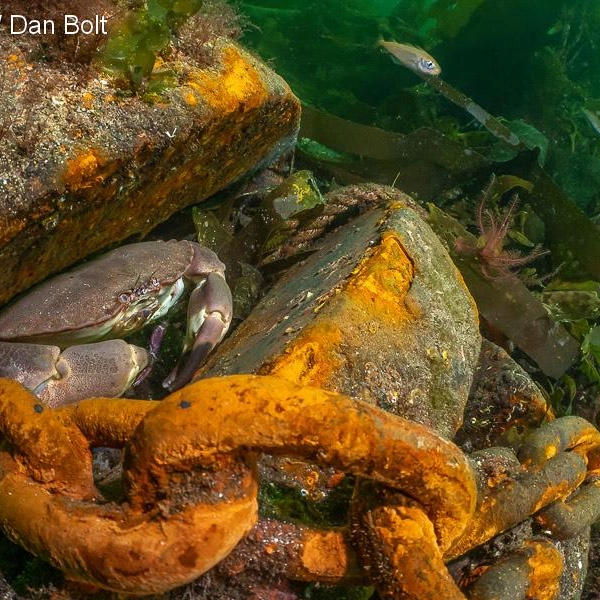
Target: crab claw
x: 209, y: 315
x: 102, y: 369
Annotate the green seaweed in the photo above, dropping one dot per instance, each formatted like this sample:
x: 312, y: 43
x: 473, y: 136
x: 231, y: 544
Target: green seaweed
x: 24, y: 571
x: 576, y: 390
x: 420, y: 163
x: 533, y: 65
x: 571, y: 301
x: 571, y: 236
x: 330, y: 592
x: 292, y: 504
x: 263, y: 227
x: 576, y: 304
x: 133, y: 47
x: 530, y: 138
x: 487, y: 120
x: 590, y: 355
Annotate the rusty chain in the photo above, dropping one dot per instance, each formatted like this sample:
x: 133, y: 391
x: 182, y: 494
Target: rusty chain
x: 190, y: 481
x: 189, y: 473
x: 554, y: 460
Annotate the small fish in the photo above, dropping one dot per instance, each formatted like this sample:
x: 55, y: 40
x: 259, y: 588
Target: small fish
x: 415, y: 59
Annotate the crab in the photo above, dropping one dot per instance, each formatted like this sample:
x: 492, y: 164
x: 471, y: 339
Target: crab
x: 109, y: 298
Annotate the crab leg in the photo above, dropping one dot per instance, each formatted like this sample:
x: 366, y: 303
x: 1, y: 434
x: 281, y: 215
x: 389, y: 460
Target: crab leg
x: 209, y: 316
x: 156, y: 339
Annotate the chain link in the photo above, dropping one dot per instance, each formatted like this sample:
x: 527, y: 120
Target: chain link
x: 189, y: 473
x: 191, y: 488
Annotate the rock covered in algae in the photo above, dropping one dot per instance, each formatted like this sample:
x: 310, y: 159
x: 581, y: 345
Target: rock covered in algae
x: 504, y: 403
x: 87, y: 165
x: 378, y: 312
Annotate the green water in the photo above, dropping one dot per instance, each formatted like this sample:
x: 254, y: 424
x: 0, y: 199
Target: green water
x: 535, y: 62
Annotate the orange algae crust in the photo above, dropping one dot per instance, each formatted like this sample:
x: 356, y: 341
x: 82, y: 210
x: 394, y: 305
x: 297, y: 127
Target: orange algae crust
x: 219, y: 424
x: 270, y: 414
x: 382, y: 279
x: 373, y: 294
x: 312, y: 358
x: 546, y: 564
x: 86, y: 169
x: 325, y: 554
x: 48, y: 496
x: 532, y: 570
x: 237, y: 84
x: 408, y: 555
x: 365, y: 316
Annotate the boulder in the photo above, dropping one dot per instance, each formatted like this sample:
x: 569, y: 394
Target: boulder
x: 85, y: 165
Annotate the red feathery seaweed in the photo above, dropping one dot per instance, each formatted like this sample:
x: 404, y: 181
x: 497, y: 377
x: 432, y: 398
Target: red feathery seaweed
x: 495, y: 260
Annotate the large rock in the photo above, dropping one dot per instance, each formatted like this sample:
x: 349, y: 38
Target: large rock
x: 378, y: 312
x: 84, y: 167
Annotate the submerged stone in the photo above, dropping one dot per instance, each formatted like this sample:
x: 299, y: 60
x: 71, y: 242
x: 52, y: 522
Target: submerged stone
x: 86, y: 166
x: 378, y: 312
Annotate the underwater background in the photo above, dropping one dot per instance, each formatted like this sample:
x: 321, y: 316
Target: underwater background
x: 535, y: 65
x: 506, y: 137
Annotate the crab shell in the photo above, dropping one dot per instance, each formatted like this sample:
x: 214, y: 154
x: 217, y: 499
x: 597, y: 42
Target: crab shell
x: 119, y: 292
x: 101, y: 369
x: 94, y: 301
